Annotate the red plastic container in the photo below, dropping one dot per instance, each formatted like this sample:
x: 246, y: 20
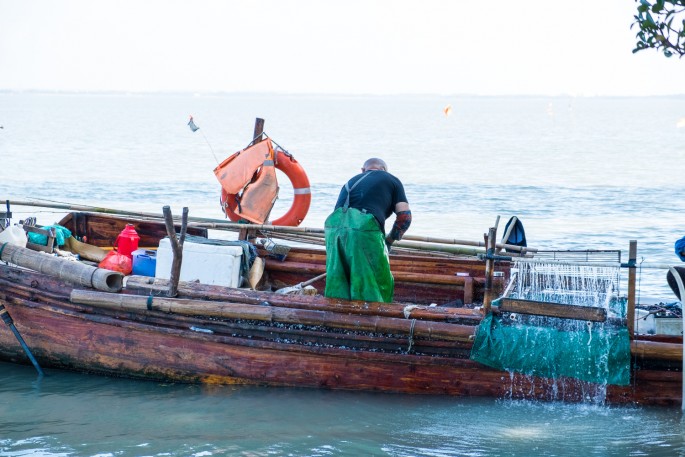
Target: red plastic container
x: 127, y: 241
x: 117, y: 262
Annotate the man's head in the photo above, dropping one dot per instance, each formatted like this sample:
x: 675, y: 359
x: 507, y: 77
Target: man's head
x: 374, y: 164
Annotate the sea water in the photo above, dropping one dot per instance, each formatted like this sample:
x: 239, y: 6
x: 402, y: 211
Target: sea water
x: 580, y: 173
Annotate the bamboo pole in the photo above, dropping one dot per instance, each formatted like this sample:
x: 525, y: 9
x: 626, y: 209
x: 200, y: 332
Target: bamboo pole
x: 209, y: 292
x: 21, y: 294
x: 93, y: 209
x: 630, y: 314
x: 76, y: 272
x: 220, y: 224
x: 229, y: 310
x: 405, y: 242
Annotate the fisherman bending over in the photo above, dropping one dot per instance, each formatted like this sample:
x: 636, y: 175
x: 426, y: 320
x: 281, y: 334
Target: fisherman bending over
x: 357, y: 263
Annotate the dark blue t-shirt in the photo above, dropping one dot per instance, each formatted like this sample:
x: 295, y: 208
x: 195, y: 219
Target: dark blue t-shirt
x: 378, y: 194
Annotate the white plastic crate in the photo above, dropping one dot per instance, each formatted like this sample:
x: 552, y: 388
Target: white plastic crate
x: 669, y: 325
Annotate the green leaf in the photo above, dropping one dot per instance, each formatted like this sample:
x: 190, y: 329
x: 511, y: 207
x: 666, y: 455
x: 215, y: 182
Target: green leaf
x: 649, y: 20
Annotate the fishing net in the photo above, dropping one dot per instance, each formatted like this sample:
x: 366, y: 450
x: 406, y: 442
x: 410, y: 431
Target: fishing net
x: 593, y: 353
x: 61, y: 235
x: 553, y: 347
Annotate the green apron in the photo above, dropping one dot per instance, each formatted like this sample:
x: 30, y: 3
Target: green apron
x: 357, y: 263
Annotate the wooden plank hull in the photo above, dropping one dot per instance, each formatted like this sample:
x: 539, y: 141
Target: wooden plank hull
x: 160, y: 346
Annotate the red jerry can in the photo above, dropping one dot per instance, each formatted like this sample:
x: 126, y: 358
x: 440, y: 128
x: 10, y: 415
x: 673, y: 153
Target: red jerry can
x: 127, y: 241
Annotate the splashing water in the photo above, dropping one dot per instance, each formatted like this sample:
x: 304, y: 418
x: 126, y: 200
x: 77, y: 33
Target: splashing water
x: 557, y: 358
x: 575, y: 285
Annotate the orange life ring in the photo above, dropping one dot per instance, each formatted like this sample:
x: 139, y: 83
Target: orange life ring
x: 301, y: 191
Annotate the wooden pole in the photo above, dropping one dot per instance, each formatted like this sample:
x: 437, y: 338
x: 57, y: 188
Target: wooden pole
x: 540, y: 308
x: 247, y: 232
x: 490, y: 240
x: 632, y: 258
x: 258, y: 130
x: 176, y: 247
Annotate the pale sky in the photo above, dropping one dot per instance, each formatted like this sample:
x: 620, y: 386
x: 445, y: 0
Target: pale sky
x: 499, y: 47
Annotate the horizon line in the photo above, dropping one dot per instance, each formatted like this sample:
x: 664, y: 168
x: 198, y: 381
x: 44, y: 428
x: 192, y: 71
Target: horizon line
x: 322, y: 94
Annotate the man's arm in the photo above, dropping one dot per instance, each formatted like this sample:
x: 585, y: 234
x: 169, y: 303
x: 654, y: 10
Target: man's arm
x: 402, y: 223
x: 401, y: 206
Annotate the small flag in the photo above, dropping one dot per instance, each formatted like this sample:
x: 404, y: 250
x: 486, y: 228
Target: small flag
x: 192, y: 125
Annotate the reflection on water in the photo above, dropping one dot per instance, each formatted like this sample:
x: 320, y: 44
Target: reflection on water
x: 69, y: 414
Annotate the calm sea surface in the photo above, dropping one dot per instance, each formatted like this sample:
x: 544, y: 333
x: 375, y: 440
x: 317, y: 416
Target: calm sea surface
x: 580, y: 173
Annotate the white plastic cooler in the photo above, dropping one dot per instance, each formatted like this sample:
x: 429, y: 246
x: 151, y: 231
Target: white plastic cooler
x: 209, y: 261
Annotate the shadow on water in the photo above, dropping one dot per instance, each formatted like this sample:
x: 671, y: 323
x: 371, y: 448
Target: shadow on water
x: 69, y: 414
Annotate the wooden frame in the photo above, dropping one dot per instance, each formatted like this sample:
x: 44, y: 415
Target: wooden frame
x: 49, y: 233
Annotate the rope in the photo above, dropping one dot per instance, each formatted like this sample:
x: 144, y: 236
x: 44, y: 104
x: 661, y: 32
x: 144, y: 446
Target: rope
x: 208, y: 144
x: 408, y: 309
x: 589, y: 329
x: 411, y: 336
x: 264, y: 134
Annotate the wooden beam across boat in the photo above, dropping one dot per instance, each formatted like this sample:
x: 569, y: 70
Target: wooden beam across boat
x: 540, y: 308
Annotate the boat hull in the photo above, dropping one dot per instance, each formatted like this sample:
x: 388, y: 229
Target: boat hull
x: 160, y: 346
x: 218, y: 335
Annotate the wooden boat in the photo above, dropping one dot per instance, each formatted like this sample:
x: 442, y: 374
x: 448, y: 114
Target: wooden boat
x: 420, y: 344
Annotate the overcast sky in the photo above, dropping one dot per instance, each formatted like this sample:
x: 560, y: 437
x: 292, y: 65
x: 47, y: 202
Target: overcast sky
x: 580, y: 47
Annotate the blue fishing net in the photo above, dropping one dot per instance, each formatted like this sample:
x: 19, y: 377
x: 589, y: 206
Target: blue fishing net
x: 553, y: 348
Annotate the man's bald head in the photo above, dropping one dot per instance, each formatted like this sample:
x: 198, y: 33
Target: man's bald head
x: 374, y: 164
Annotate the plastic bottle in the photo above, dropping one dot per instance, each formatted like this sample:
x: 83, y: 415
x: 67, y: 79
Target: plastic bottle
x: 14, y: 234
x: 127, y: 241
